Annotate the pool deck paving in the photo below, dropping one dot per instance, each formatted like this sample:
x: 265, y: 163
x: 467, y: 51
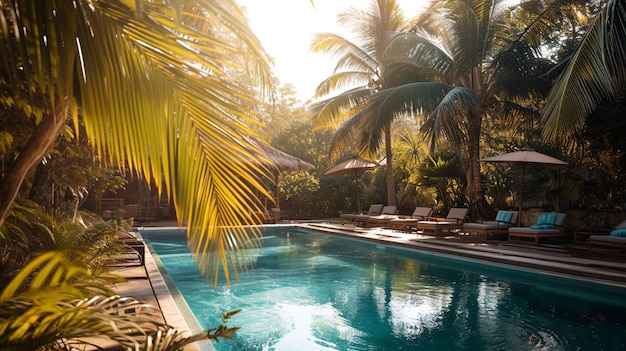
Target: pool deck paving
x: 145, y: 283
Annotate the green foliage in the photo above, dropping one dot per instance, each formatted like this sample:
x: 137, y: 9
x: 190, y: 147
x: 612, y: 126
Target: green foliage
x: 29, y: 231
x: 293, y: 184
x: 54, y: 304
x: 593, y: 74
x: 443, y: 173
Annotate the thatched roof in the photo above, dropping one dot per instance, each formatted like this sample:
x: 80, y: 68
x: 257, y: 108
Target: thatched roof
x: 281, y: 161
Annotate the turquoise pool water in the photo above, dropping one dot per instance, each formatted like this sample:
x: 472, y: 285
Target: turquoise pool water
x: 312, y: 291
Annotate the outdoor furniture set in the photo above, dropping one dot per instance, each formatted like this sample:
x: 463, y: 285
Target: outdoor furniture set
x: 549, y: 225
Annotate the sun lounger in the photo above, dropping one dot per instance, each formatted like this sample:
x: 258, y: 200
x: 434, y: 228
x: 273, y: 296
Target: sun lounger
x: 409, y: 224
x: 374, y: 210
x: 549, y: 225
x: 499, y: 226
x: 384, y: 217
x: 452, y: 222
x: 616, y: 238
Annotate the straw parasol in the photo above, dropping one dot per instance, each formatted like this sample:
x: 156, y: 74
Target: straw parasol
x: 523, y: 158
x: 279, y: 162
x: 352, y: 165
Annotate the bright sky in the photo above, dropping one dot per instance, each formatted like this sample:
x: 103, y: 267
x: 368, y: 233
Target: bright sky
x: 286, y: 28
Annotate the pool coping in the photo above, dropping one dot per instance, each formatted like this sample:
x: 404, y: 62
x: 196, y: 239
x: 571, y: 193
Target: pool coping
x: 171, y: 303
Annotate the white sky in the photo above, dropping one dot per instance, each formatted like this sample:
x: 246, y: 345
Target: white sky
x: 286, y: 28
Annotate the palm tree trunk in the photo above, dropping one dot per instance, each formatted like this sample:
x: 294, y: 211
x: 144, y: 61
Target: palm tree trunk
x: 474, y: 181
x: 38, y: 145
x: 391, y: 192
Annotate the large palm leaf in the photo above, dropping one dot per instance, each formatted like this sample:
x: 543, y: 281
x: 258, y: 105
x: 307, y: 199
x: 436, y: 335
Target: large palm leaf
x: 151, y: 83
x: 595, y: 73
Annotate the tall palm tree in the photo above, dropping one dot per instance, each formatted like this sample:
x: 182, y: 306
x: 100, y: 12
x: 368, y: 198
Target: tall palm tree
x: 362, y: 70
x: 594, y: 74
x: 150, y: 81
x: 477, y: 60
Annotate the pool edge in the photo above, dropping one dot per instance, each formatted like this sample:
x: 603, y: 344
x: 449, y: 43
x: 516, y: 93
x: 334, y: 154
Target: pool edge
x: 170, y: 305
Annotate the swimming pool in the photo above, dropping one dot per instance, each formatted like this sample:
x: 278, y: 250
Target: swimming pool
x: 311, y: 291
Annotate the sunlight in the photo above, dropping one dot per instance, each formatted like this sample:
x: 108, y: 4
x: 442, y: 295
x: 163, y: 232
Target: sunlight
x: 285, y: 28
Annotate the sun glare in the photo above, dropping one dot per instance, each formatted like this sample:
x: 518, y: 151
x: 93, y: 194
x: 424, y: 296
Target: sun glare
x: 286, y: 28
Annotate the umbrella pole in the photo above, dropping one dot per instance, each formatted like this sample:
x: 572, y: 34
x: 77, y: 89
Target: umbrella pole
x: 277, y: 191
x: 358, y: 200
x: 521, y: 197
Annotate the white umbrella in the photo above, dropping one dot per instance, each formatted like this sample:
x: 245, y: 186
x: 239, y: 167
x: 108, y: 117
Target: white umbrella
x: 525, y: 157
x: 352, y: 165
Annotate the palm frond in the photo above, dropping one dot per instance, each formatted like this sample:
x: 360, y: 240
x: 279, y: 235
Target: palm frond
x: 431, y: 58
x: 343, y: 80
x: 594, y: 73
x: 350, y: 57
x: 421, y: 98
x: 450, y: 119
x: 334, y: 111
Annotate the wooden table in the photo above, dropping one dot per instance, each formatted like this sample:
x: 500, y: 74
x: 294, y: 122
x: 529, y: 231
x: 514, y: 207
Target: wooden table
x: 582, y: 237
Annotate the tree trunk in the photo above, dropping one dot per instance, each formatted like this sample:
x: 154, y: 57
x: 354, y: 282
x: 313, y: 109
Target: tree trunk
x: 473, y: 176
x: 38, y: 145
x: 391, y: 191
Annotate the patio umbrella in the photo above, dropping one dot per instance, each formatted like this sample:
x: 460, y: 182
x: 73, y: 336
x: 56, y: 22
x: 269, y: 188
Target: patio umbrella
x: 523, y: 158
x: 352, y: 165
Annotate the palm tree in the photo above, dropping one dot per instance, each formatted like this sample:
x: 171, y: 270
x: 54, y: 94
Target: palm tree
x: 363, y: 71
x: 150, y: 81
x: 594, y: 74
x: 477, y: 60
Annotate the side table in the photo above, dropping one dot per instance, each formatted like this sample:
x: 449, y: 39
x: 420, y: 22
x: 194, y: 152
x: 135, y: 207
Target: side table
x: 582, y: 237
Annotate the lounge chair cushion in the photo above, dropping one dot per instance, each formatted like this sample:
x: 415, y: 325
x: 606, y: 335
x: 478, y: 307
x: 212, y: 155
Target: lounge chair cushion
x: 598, y: 239
x: 545, y: 221
x: 557, y: 227
x: 618, y: 232
x: 504, y: 216
x: 486, y: 225
x: 529, y: 230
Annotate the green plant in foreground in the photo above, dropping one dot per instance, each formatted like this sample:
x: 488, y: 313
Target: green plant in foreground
x: 52, y: 304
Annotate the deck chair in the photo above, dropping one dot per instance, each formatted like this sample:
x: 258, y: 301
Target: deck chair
x: 499, y: 226
x: 452, y: 222
x: 616, y: 238
x: 374, y: 210
x: 409, y: 224
x: 548, y: 225
x: 385, y: 215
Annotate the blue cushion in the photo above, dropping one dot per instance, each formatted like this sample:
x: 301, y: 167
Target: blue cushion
x: 618, y: 232
x: 545, y: 221
x: 504, y: 216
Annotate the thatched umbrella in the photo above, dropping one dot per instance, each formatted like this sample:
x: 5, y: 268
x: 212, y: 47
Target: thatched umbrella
x: 279, y: 161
